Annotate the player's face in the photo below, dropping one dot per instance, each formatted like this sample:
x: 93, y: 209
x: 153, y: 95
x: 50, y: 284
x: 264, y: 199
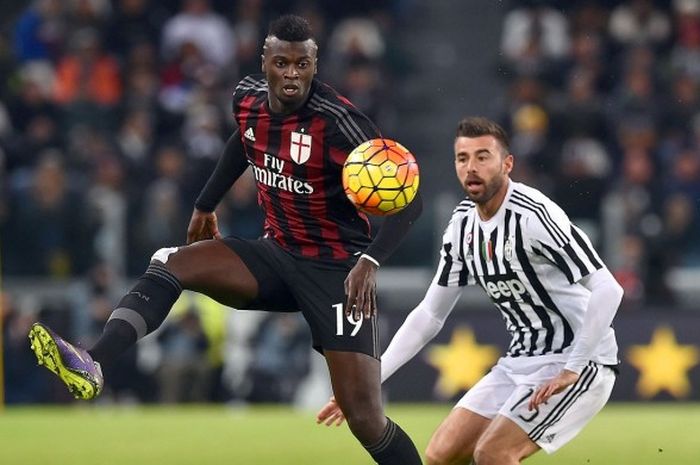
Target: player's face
x: 289, y: 68
x: 482, y: 167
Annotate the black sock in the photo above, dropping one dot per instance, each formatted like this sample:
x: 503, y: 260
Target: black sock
x: 394, y: 447
x: 138, y: 313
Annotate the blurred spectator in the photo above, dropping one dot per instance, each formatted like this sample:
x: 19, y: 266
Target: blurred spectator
x: 87, y: 74
x: 584, y: 170
x: 680, y: 106
x: 639, y: 22
x: 588, y: 57
x: 34, y: 116
x: 635, y: 96
x: 34, y: 94
x: 239, y: 213
x: 182, y: 77
x: 23, y: 386
x: 91, y: 14
x: 162, y: 211
x: 682, y: 223
x: 88, y: 82
x: 535, y: 39
x: 532, y: 141
x: 281, y: 358
x: 249, y: 32
x: 580, y: 112
x: 107, y: 200
x: 685, y: 54
x: 49, y: 234
x: 133, y: 23
x: 184, y: 372
x: 353, y: 41
x: 39, y: 32
x: 200, y: 26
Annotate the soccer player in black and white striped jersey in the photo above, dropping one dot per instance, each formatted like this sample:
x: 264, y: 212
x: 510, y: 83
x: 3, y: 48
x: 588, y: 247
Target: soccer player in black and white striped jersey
x: 555, y: 294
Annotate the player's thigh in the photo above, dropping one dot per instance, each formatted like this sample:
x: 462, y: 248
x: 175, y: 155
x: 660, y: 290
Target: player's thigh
x: 456, y: 437
x: 565, y: 414
x: 319, y: 290
x: 212, y: 268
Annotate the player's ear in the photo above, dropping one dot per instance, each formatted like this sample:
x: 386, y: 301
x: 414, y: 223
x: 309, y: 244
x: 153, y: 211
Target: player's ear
x: 508, y: 163
x: 316, y: 65
x: 262, y: 62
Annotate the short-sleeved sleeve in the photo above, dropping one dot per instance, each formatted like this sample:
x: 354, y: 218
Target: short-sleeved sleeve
x: 552, y: 234
x: 452, y: 270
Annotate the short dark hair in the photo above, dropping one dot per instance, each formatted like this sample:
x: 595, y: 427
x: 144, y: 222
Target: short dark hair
x: 476, y: 126
x: 290, y: 28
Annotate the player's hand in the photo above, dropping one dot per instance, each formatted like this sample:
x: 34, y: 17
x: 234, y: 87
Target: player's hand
x: 554, y: 386
x: 203, y: 225
x: 361, y: 289
x: 330, y: 414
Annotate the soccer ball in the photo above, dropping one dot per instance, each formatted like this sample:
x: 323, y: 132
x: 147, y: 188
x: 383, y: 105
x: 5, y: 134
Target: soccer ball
x: 380, y: 177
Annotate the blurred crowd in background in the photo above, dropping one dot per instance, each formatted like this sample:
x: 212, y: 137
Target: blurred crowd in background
x: 603, y: 106
x: 113, y: 114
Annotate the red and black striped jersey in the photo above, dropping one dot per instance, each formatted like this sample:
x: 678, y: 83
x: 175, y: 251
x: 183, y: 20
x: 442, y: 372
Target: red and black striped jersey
x: 297, y: 161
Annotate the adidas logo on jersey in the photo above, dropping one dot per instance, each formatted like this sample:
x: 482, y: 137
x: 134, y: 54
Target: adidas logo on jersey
x: 249, y: 134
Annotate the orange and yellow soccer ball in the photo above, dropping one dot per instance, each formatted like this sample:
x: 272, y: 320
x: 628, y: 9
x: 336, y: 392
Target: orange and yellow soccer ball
x: 380, y: 177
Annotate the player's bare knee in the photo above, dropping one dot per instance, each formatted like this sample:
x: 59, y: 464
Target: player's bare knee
x: 488, y: 454
x: 365, y: 422
x: 436, y: 455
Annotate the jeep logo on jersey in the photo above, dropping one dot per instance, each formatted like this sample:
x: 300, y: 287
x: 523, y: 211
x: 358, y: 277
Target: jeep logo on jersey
x: 300, y: 147
x: 503, y: 288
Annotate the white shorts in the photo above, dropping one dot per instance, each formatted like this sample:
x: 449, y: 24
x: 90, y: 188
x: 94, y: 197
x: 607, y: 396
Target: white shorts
x: 508, y: 387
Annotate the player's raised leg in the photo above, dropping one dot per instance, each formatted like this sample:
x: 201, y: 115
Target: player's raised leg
x: 357, y: 389
x: 209, y: 267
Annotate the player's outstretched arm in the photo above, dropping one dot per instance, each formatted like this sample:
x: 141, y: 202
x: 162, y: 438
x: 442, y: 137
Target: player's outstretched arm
x: 421, y: 326
x: 229, y: 168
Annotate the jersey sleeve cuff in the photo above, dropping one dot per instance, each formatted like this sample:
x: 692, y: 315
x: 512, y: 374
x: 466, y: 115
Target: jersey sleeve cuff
x: 370, y: 258
x: 576, y: 367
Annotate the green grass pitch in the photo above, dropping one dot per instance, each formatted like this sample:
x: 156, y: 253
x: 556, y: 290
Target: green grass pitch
x: 623, y: 434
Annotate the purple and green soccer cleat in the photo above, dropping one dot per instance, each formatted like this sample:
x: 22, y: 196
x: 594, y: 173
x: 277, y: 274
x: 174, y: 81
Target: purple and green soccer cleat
x: 73, y: 365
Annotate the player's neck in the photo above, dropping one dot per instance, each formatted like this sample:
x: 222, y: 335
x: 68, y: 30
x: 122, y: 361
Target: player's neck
x: 488, y: 209
x: 279, y: 108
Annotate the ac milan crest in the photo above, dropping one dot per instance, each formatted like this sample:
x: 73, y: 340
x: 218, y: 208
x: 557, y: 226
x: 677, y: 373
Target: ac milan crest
x: 300, y: 147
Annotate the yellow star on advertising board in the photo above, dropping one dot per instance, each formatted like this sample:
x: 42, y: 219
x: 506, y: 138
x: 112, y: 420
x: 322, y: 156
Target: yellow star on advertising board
x: 461, y: 363
x: 663, y: 364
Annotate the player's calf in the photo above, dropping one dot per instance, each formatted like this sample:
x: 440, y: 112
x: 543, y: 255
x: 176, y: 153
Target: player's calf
x: 141, y: 311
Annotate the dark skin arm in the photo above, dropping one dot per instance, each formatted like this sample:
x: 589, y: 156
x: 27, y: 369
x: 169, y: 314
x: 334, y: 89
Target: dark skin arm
x: 203, y: 226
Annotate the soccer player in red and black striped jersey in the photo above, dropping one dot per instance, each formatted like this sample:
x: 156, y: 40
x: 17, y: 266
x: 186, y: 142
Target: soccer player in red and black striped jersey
x: 316, y: 256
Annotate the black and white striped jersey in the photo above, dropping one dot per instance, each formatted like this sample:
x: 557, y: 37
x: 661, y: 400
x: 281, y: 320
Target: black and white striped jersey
x: 528, y: 258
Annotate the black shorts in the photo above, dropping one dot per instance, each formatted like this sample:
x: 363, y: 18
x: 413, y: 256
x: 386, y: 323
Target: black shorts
x: 316, y: 288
